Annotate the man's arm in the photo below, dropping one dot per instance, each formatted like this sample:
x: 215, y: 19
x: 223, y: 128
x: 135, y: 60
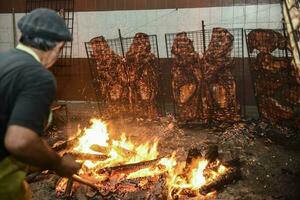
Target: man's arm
x: 27, y: 146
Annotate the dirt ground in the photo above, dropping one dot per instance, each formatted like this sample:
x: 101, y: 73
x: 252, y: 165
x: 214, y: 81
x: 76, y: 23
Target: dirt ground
x: 270, y: 157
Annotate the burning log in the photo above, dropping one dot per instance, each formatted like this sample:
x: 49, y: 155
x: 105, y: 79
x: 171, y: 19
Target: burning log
x: 87, y: 156
x: 128, y: 168
x: 105, y: 150
x: 100, y: 149
x: 231, y: 175
x: 210, y: 153
x: 85, y: 182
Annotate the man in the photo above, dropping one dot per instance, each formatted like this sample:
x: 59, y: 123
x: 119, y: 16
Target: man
x: 27, y: 90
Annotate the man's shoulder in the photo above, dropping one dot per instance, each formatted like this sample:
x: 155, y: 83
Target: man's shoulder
x: 38, y: 75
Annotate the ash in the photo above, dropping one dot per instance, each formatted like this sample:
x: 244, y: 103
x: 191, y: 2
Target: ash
x: 269, y: 154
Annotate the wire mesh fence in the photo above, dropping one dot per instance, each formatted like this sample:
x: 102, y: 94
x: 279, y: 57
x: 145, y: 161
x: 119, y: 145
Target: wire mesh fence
x: 65, y: 8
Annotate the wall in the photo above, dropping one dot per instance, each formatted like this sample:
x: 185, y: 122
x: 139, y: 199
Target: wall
x: 108, y: 5
x: 74, y: 83
x: 90, y: 24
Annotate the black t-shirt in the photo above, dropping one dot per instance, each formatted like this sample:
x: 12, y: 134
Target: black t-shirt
x: 27, y: 90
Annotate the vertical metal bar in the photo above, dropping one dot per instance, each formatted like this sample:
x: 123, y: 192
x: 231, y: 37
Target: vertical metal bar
x: 91, y: 63
x: 14, y: 27
x: 253, y: 75
x: 166, y: 40
x: 203, y: 34
x: 121, y: 41
x: 244, y: 82
x: 285, y: 36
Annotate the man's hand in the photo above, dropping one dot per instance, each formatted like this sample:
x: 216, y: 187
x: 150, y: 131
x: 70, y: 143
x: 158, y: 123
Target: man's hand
x: 67, y: 166
x: 28, y: 147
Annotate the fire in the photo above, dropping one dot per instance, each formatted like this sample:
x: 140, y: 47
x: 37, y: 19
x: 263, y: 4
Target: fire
x: 97, y: 134
x: 123, y: 151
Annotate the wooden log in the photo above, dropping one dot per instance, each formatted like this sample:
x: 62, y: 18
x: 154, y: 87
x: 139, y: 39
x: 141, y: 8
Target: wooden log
x: 128, y: 168
x: 85, y: 182
x: 233, y: 174
x: 60, y: 145
x: 100, y: 149
x: 87, y: 156
x: 68, y: 192
x: 211, y: 153
x: 105, y: 150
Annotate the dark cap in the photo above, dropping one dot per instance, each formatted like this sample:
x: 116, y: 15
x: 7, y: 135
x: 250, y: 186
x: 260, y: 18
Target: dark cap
x: 44, y: 23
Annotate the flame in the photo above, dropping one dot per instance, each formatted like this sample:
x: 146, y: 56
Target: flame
x: 121, y: 151
x: 97, y: 134
x: 124, y: 151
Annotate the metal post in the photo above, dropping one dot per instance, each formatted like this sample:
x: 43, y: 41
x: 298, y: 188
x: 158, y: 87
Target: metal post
x: 285, y: 36
x: 203, y: 34
x: 166, y: 40
x: 244, y: 82
x: 14, y: 27
x: 121, y: 41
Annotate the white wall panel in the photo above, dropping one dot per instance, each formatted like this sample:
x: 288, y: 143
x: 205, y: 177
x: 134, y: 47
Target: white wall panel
x: 90, y: 24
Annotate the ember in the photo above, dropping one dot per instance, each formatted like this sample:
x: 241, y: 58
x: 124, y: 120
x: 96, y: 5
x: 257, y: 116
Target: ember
x: 111, y: 165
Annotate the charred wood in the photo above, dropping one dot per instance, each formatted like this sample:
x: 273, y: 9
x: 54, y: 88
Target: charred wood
x: 231, y: 175
x: 128, y: 168
x: 86, y: 156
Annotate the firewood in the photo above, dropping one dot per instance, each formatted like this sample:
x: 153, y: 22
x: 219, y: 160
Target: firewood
x: 128, y: 168
x: 85, y: 182
x: 193, y: 154
x: 233, y: 174
x: 211, y: 153
x: 64, y: 144
x: 87, y: 156
x: 68, y: 192
x: 100, y: 149
x: 105, y: 150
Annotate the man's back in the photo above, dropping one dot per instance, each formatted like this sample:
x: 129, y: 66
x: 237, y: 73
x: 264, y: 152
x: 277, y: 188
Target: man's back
x: 25, y: 86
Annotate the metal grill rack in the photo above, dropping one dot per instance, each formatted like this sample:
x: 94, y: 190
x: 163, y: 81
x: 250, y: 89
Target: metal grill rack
x: 121, y: 46
x: 66, y: 9
x: 195, y: 36
x: 258, y: 74
x: 201, y: 40
x: 93, y: 70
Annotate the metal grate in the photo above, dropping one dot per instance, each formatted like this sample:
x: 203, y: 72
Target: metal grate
x: 201, y: 40
x: 121, y: 47
x: 195, y: 36
x: 66, y: 9
x: 93, y: 69
x: 271, y: 79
